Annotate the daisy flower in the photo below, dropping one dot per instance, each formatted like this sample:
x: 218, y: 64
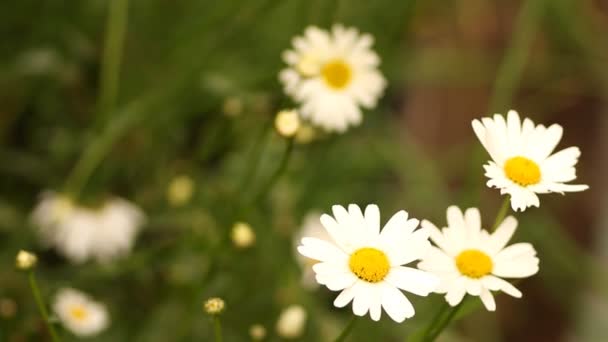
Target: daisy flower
x: 331, y: 74
x: 522, y: 164
x: 79, y: 313
x: 311, y: 227
x: 470, y: 260
x: 365, y: 264
x: 80, y: 233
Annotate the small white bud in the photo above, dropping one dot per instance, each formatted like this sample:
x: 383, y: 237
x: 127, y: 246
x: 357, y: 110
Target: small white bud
x: 242, y: 235
x: 287, y: 123
x: 257, y: 332
x: 180, y: 190
x: 214, y: 306
x: 291, y: 322
x: 25, y: 260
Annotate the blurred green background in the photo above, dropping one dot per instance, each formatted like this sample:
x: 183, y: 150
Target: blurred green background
x: 198, y: 91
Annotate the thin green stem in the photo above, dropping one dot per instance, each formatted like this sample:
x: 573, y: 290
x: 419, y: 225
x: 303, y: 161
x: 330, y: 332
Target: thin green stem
x: 255, y: 157
x: 347, y: 329
x: 41, y: 307
x: 443, y: 323
x: 116, y: 27
x: 513, y: 63
x: 438, y: 317
x: 502, y: 212
x: 217, y: 328
x: 277, y: 173
x: 99, y: 147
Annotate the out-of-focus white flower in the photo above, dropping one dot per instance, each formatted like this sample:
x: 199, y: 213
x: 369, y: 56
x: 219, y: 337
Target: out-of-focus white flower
x: 180, y: 190
x: 242, y: 235
x: 214, y: 306
x: 291, y: 322
x: 367, y: 265
x: 25, y: 260
x: 331, y: 74
x: 522, y: 164
x: 287, y: 123
x: 79, y: 313
x: 81, y: 233
x: 311, y: 227
x: 257, y: 332
x: 470, y: 260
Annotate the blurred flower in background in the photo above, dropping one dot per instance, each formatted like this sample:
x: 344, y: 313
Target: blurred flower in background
x: 82, y: 233
x: 331, y: 74
x: 291, y: 322
x: 80, y: 314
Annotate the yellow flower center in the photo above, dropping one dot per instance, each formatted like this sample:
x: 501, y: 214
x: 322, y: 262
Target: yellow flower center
x: 337, y: 74
x: 522, y: 171
x: 474, y: 263
x: 79, y: 313
x: 369, y: 264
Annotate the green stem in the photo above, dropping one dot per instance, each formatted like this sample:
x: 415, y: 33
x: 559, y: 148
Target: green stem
x: 349, y: 327
x: 513, y: 63
x: 217, y: 328
x: 502, y: 212
x: 42, y: 308
x: 99, y: 147
x: 431, y: 327
x: 443, y: 323
x: 116, y: 27
x: 277, y: 173
x: 255, y: 157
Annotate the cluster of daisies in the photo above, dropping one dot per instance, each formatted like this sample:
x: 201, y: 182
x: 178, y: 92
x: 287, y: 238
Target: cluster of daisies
x: 332, y: 76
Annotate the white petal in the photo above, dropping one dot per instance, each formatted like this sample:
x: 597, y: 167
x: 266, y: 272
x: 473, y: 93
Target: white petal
x: 488, y: 300
x: 362, y: 299
x: 372, y: 217
x: 396, y: 305
x: 345, y: 297
x: 496, y: 284
x: 456, y: 292
x: 502, y: 235
x: 412, y: 280
x: 321, y: 250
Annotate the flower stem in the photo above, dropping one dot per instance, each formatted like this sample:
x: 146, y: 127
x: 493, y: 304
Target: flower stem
x: 116, y: 26
x: 502, y: 212
x: 277, y: 173
x: 513, y: 63
x: 217, y: 328
x: 349, y: 327
x: 443, y: 322
x: 41, y: 307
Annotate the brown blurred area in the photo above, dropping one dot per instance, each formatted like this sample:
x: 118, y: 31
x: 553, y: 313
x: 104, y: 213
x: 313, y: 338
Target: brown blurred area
x: 557, y: 82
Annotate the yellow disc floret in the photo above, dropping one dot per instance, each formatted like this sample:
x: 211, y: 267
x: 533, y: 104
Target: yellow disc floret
x: 522, y: 171
x: 474, y: 263
x: 79, y: 313
x: 369, y: 264
x: 337, y: 74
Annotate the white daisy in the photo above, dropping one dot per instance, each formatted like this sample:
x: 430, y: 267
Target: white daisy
x: 81, y: 233
x: 79, y: 313
x: 311, y: 227
x: 522, y: 164
x: 470, y: 260
x: 331, y: 74
x: 366, y: 264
